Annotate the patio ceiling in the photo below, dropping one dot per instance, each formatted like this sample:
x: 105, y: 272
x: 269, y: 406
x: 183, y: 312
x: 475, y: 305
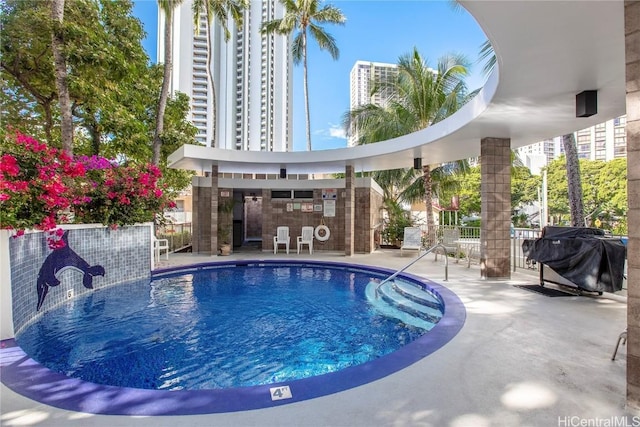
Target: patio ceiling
x: 547, y: 52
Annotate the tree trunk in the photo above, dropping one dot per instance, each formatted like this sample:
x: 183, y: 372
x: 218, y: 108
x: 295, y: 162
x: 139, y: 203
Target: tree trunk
x: 62, y: 85
x: 574, y: 182
x: 428, y: 201
x: 212, y: 88
x: 306, y: 90
x: 164, y: 92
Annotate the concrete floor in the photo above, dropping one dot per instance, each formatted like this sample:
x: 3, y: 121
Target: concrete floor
x: 521, y: 359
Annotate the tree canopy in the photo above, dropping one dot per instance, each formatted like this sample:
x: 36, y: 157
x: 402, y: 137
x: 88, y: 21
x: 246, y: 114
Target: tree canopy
x: 604, y: 186
x: 113, y: 88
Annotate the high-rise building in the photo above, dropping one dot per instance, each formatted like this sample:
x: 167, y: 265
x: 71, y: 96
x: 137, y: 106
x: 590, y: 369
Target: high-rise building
x: 364, y: 77
x: 252, y: 76
x: 604, y: 141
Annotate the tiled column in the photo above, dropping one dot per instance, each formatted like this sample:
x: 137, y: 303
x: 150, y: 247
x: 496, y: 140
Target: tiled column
x: 268, y: 222
x: 195, y: 218
x: 632, y: 51
x: 495, y: 195
x: 214, y: 210
x: 349, y: 210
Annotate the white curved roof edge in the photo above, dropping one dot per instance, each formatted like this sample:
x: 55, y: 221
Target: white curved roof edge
x: 394, y: 153
x: 547, y: 52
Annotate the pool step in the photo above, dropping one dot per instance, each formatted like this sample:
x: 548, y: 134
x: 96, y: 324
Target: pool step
x: 405, y: 302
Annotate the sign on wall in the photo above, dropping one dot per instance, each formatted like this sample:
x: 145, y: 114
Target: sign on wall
x: 329, y: 208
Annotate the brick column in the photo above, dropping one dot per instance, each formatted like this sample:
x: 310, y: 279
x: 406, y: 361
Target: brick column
x: 632, y: 51
x: 214, y: 210
x: 495, y: 194
x: 349, y: 210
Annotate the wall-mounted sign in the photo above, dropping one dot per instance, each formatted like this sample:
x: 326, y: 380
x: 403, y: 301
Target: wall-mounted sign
x: 225, y: 193
x: 289, y: 207
x: 307, y: 207
x: 329, y: 193
x: 329, y: 208
x: 317, y: 208
x: 296, y: 206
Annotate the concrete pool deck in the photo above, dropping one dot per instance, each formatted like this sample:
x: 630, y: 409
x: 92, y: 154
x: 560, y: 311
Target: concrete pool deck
x: 520, y: 359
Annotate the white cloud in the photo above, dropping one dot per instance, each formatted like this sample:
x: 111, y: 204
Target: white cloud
x: 334, y: 131
x: 337, y: 132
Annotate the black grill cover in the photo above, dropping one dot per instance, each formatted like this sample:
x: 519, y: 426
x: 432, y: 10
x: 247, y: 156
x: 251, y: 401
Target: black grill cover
x: 584, y: 256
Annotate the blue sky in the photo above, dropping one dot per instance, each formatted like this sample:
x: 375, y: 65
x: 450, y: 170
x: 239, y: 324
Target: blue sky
x: 377, y: 31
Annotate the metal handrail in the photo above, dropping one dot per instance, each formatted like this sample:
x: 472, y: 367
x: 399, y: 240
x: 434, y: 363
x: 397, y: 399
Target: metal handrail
x: 428, y: 251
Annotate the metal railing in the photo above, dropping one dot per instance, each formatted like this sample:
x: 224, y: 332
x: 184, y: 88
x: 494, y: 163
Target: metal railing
x: 518, y: 256
x: 179, y: 235
x: 427, y: 252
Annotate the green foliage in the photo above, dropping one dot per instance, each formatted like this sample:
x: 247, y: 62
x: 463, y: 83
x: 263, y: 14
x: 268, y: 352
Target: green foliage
x: 604, y: 191
x: 225, y: 220
x: 113, y: 88
x: 524, y: 189
x: 395, y: 223
x: 41, y: 186
x: 418, y: 97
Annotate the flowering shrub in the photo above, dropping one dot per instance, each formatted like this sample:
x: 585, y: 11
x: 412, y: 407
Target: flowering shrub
x: 120, y: 194
x: 37, y: 182
x: 41, y: 187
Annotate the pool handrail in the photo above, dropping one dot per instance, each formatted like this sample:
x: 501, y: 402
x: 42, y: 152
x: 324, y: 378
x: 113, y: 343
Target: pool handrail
x: 428, y: 251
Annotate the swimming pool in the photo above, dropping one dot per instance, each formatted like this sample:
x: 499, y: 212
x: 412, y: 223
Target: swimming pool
x: 305, y: 367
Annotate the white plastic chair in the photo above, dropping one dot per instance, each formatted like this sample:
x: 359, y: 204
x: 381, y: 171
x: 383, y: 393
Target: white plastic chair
x: 160, y: 245
x: 281, y: 238
x: 412, y: 240
x: 306, y: 239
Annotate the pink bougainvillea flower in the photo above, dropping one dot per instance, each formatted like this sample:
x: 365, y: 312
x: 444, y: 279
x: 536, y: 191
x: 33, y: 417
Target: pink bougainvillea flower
x: 9, y: 165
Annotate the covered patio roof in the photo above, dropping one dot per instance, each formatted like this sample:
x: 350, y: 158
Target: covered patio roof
x: 547, y: 52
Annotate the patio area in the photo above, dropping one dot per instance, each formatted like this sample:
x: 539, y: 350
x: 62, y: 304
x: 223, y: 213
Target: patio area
x: 521, y: 358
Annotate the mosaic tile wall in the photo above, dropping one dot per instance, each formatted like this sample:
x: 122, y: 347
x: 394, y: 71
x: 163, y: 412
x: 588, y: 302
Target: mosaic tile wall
x: 124, y: 253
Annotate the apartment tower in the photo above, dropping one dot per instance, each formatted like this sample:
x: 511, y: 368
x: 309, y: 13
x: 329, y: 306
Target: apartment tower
x: 364, y: 78
x: 252, y: 76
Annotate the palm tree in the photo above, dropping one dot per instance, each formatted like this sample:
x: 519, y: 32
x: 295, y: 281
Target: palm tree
x: 421, y: 97
x: 306, y: 16
x: 220, y: 10
x: 574, y: 181
x: 488, y: 55
x: 167, y: 7
x: 57, y: 47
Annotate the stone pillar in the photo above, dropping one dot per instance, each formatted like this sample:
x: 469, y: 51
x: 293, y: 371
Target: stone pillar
x: 349, y: 210
x: 214, y: 210
x: 495, y: 194
x: 632, y: 51
x: 195, y: 218
x: 268, y: 221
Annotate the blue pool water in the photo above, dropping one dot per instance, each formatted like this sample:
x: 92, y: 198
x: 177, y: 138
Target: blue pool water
x: 218, y: 328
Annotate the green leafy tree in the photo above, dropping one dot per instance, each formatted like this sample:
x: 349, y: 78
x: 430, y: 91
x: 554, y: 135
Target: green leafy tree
x: 113, y: 89
x: 604, y: 192
x: 306, y: 17
x: 27, y: 69
x: 524, y: 189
